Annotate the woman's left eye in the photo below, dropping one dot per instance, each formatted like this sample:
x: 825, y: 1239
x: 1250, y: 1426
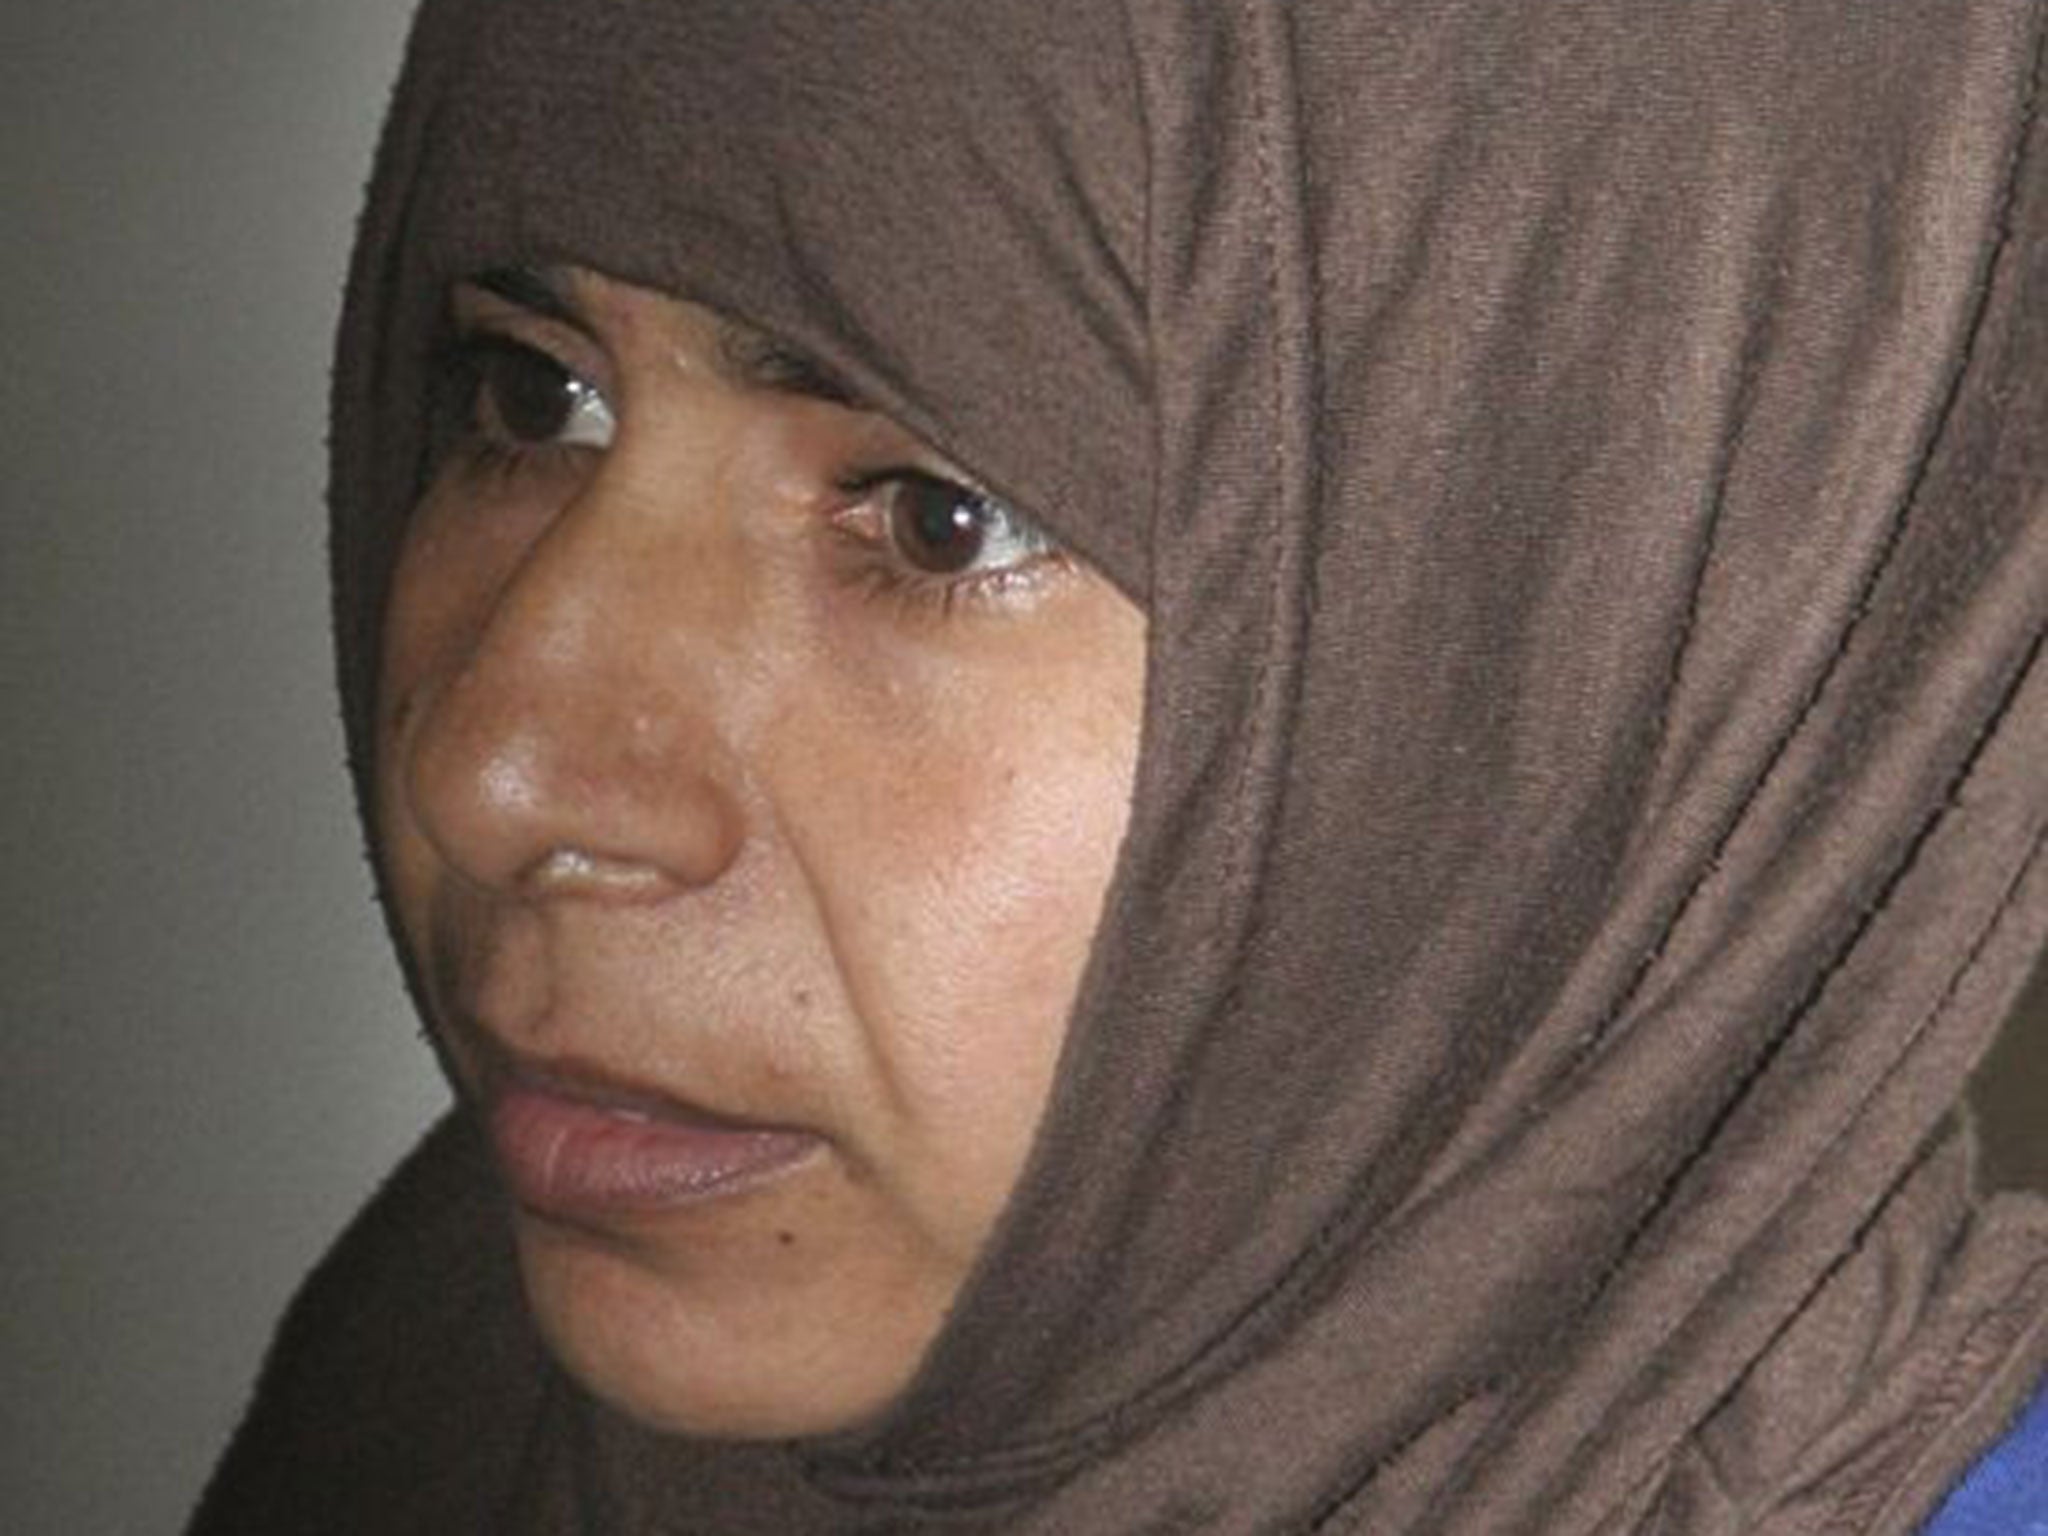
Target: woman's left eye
x: 940, y: 528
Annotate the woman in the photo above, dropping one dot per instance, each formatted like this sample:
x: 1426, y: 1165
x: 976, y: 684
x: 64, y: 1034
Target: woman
x: 1462, y: 1035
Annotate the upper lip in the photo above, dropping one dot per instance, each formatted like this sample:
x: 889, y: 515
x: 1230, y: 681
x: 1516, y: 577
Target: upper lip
x: 502, y: 1068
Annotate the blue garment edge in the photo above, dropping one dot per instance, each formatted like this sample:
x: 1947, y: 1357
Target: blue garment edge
x: 2006, y: 1492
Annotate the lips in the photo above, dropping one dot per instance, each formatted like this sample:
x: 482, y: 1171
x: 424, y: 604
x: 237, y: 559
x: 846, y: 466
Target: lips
x: 577, y: 1148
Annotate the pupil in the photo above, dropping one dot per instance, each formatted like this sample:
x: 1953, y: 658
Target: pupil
x: 944, y: 526
x: 529, y: 394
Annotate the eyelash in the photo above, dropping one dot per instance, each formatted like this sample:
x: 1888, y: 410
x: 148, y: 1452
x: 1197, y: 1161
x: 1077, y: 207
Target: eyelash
x: 878, y: 564
x: 870, y: 560
x: 459, y: 374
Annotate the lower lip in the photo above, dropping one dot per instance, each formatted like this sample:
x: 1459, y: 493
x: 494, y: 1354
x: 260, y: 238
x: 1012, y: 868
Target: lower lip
x: 569, y: 1159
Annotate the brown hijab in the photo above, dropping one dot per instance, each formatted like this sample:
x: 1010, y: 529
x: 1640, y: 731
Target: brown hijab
x: 1585, y: 466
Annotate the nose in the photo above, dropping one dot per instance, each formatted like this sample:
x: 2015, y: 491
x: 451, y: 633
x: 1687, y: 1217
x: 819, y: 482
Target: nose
x: 572, y: 744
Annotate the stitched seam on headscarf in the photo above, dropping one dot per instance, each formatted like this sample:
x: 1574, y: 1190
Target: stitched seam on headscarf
x: 1141, y: 104
x: 1051, y: 1456
x: 1250, y: 852
x: 1863, y: 1229
x: 1291, y: 315
x: 1999, y: 1334
x: 2002, y: 226
x: 1748, y: 375
x: 1827, y: 1276
x: 1983, y: 937
x: 1983, y: 286
x: 1933, y: 822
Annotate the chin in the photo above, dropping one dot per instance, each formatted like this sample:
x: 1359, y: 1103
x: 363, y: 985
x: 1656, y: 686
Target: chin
x: 754, y: 1411
x: 747, y: 1356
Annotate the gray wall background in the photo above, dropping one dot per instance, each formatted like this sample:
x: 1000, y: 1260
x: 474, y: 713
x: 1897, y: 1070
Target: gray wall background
x: 208, y: 1059
x: 208, y: 1062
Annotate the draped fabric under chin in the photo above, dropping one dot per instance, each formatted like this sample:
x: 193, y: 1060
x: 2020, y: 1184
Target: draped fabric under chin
x: 1586, y: 468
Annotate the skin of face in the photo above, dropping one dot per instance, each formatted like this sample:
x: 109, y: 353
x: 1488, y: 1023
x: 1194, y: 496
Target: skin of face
x: 699, y: 784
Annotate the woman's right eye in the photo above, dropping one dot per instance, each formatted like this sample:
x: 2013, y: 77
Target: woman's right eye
x: 520, y: 397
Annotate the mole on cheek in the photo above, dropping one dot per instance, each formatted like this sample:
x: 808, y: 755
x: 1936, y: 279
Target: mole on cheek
x: 786, y: 1239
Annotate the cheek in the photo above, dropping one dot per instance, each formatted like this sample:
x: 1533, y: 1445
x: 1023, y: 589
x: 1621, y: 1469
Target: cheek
x: 998, y: 918
x: 960, y: 877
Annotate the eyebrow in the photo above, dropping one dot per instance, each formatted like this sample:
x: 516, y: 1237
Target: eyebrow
x: 546, y: 294
x: 756, y: 361
x: 747, y: 358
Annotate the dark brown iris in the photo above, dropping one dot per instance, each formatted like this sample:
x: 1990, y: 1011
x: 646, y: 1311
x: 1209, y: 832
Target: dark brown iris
x: 521, y: 394
x: 936, y: 525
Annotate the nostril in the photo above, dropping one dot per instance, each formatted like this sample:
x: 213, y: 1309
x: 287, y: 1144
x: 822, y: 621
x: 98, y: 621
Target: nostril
x: 577, y: 872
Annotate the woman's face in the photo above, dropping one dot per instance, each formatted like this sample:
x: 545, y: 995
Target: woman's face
x: 748, y: 787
